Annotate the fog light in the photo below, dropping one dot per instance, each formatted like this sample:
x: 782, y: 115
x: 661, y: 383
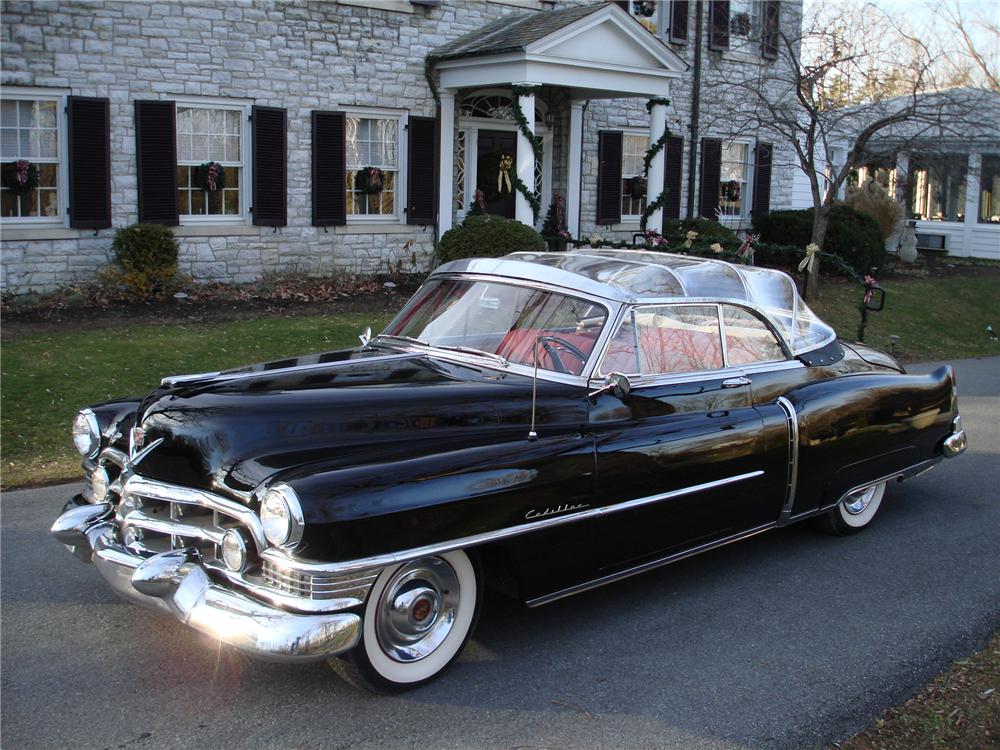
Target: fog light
x: 234, y: 550
x: 99, y: 483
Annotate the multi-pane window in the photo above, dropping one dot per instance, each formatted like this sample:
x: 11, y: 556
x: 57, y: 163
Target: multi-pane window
x: 208, y: 136
x: 938, y: 187
x: 633, y: 175
x: 742, y: 22
x: 651, y: 14
x: 372, y: 165
x: 29, y: 148
x: 989, y: 190
x: 734, y: 179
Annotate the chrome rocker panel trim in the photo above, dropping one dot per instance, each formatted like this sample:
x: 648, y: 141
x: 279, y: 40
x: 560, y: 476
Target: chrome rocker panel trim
x: 178, y: 583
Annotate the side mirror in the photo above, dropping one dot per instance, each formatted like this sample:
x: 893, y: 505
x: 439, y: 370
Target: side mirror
x: 366, y: 336
x: 615, y: 383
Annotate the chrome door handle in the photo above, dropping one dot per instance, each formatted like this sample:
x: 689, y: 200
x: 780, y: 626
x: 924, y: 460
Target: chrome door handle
x: 735, y: 382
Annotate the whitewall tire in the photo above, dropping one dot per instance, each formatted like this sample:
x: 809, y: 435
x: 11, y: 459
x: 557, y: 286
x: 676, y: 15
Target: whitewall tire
x: 418, y: 618
x: 854, y: 512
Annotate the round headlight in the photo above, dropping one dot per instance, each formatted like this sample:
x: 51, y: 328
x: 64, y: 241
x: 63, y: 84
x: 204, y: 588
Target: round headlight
x: 99, y: 483
x: 281, y: 516
x: 86, y: 434
x: 234, y: 550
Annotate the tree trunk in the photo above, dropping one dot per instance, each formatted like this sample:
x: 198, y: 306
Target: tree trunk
x: 821, y: 217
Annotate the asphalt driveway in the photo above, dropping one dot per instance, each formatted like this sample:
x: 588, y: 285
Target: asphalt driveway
x: 788, y: 639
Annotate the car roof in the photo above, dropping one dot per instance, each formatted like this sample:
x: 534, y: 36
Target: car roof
x: 636, y: 276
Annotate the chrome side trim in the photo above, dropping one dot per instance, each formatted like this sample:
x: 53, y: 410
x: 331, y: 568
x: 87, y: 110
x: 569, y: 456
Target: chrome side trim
x: 393, y: 558
x: 636, y: 570
x: 156, y: 490
x: 792, y: 420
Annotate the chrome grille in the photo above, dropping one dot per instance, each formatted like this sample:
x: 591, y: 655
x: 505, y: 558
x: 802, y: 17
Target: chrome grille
x: 160, y: 525
x: 319, y: 586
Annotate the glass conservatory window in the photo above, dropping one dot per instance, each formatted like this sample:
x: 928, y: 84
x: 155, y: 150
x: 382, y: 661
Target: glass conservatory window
x: 989, y: 190
x: 938, y: 187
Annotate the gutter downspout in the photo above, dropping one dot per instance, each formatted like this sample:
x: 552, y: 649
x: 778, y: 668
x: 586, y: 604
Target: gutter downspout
x: 695, y: 109
x: 429, y: 75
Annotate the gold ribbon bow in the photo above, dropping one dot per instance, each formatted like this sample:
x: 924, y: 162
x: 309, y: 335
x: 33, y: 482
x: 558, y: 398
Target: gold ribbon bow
x: 808, y: 263
x: 506, y: 162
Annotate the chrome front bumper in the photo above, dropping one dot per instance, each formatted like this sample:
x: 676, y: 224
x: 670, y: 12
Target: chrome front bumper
x: 177, y: 582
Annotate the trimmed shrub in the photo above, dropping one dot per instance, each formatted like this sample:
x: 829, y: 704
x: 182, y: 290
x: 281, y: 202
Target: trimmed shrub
x: 852, y: 235
x: 488, y: 236
x: 146, y: 256
x: 874, y: 200
x: 709, y: 231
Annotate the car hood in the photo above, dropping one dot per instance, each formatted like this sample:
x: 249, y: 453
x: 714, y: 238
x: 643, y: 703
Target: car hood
x: 231, y: 431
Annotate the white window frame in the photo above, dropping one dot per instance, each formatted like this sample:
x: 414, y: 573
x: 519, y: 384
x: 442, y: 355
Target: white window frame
x: 244, y: 106
x: 661, y: 17
x: 62, y: 170
x: 644, y: 134
x: 746, y: 196
x: 402, y: 174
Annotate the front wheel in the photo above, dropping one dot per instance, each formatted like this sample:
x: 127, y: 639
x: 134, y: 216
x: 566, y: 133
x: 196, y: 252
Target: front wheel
x: 418, y: 619
x: 855, y: 512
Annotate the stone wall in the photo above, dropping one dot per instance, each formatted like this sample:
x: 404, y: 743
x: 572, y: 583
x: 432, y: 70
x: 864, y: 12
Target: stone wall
x: 298, y: 56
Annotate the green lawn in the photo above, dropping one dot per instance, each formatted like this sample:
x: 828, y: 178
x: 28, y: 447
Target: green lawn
x: 47, y: 377
x: 934, y: 318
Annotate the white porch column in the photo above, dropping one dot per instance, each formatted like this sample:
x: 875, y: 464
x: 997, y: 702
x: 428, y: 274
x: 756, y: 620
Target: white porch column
x: 573, y: 168
x: 972, y: 174
x: 654, y: 180
x: 525, y: 161
x: 446, y: 161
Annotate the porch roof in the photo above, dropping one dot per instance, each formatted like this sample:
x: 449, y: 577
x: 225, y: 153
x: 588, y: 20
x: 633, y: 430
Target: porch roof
x: 596, y: 51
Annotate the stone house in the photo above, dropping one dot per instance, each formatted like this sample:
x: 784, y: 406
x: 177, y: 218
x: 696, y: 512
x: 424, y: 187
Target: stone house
x: 349, y: 134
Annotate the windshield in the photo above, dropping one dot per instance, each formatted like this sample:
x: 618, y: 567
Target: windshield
x: 505, y: 320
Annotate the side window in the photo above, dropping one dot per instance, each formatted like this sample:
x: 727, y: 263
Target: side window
x: 666, y: 339
x: 748, y: 339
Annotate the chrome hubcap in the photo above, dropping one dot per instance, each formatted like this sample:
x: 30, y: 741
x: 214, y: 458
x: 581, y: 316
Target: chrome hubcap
x: 417, y: 608
x: 858, y: 501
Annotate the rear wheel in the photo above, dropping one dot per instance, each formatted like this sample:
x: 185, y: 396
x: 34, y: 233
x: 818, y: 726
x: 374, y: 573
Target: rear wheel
x: 855, y: 512
x: 418, y: 619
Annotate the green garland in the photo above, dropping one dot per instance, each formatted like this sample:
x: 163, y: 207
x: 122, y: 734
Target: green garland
x: 533, y: 198
x: 660, y: 200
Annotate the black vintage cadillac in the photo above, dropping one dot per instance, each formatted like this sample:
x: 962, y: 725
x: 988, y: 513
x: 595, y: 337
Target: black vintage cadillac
x: 542, y: 422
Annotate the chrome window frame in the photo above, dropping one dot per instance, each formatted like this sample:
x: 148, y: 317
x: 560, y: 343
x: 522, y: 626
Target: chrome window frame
x: 611, y: 307
x: 642, y: 379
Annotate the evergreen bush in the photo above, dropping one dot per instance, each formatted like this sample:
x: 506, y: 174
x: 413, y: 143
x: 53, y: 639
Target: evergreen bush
x: 852, y: 235
x: 488, y: 236
x: 146, y: 259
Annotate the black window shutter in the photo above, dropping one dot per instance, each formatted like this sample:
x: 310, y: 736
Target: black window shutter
x: 270, y: 167
x: 711, y: 173
x: 772, y: 27
x: 89, y: 162
x: 329, y: 169
x: 609, y: 177
x: 762, y: 179
x: 421, y: 182
x: 156, y: 161
x: 672, y: 175
x: 679, y: 21
x: 718, y: 23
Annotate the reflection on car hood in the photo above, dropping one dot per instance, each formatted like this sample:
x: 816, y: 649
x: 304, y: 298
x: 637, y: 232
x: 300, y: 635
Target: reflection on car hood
x: 235, y: 429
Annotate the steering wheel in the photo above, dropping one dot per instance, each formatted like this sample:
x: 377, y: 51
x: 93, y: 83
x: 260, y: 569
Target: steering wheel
x: 567, y: 346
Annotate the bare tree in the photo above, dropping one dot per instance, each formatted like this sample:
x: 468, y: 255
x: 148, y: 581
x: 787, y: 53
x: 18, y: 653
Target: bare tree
x: 852, y: 77
x: 970, y: 50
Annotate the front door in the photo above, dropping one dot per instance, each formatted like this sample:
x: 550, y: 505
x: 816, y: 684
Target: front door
x: 496, y: 167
